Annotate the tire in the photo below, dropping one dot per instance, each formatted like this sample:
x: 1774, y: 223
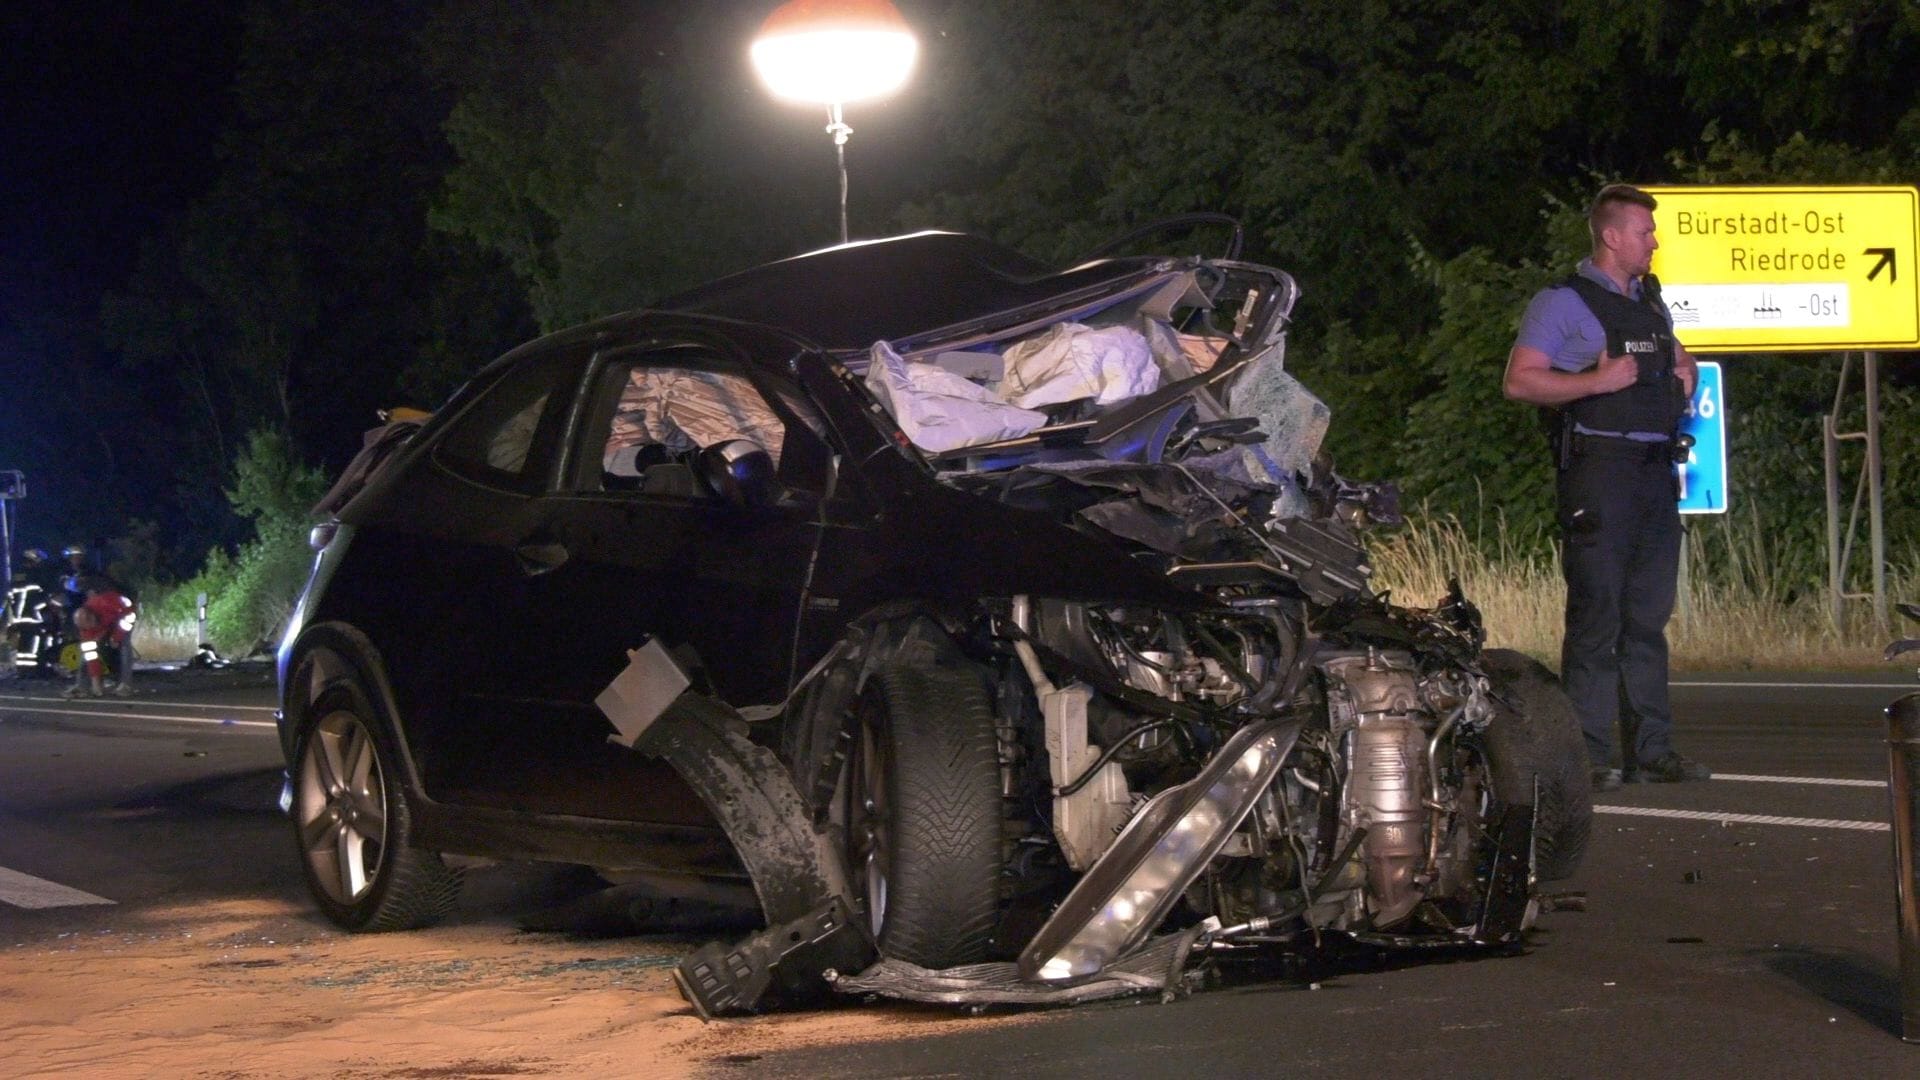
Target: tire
x: 352, y: 822
x: 923, y: 807
x: 1535, y: 735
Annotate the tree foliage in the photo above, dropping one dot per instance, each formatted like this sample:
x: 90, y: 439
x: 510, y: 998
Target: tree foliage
x: 406, y: 188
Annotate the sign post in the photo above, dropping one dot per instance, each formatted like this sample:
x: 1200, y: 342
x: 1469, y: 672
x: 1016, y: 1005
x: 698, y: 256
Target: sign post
x: 13, y: 485
x: 1800, y: 269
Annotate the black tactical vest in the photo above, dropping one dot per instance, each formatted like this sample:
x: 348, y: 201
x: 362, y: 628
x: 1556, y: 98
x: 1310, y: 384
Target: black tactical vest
x: 1637, y: 328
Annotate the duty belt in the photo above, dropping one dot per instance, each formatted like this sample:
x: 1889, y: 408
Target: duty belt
x: 1613, y: 446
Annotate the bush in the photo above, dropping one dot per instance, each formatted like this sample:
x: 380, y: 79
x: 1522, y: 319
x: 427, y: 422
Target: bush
x: 250, y: 593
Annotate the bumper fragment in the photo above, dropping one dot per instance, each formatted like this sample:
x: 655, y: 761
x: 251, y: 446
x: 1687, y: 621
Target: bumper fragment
x: 785, y: 966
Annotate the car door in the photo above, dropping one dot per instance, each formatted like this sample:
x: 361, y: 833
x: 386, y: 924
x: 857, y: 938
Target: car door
x: 441, y: 580
x: 631, y: 546
x: 657, y: 553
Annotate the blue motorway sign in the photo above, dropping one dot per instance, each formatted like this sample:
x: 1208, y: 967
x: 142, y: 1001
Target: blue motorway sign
x: 1703, y: 479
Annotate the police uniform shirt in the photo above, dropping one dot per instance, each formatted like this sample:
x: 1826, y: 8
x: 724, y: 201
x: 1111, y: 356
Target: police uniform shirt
x: 1561, y: 325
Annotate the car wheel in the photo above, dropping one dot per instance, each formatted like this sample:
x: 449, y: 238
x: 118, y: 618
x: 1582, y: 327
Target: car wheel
x: 351, y: 819
x: 924, y: 809
x: 1535, y: 735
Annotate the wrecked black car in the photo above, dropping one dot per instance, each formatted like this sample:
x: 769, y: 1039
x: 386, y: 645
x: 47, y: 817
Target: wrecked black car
x: 993, y: 628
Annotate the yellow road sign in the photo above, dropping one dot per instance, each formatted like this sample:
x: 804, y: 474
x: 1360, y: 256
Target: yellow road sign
x: 1790, y: 269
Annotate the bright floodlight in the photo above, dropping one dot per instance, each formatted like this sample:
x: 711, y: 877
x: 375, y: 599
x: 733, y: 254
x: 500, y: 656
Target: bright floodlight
x: 831, y: 52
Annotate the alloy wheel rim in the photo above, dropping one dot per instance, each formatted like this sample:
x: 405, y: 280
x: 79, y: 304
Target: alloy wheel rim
x: 342, y: 807
x: 870, y: 834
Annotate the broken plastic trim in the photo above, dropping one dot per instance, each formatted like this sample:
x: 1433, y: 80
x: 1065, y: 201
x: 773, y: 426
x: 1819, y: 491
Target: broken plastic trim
x: 793, y: 963
x: 1162, y: 850
x: 1156, y: 966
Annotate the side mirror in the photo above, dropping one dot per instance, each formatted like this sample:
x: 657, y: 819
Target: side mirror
x: 738, y: 471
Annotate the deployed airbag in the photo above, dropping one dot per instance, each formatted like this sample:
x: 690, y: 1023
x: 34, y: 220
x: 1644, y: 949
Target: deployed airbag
x: 939, y: 410
x: 1072, y: 361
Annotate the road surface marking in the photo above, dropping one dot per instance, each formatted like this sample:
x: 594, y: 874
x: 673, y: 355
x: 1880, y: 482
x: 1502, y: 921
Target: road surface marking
x: 1801, y: 685
x: 202, y: 705
x: 148, y: 703
x: 216, y: 721
x: 1826, y: 780
x: 1743, y: 819
x: 27, y: 891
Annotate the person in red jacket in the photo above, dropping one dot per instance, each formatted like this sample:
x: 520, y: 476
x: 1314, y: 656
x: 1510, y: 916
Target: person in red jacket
x: 106, y: 618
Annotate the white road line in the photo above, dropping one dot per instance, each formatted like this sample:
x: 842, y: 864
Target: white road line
x: 204, y: 705
x: 214, y: 720
x: 27, y: 891
x: 1797, y: 685
x: 1743, y: 819
x: 151, y: 704
x: 1827, y: 781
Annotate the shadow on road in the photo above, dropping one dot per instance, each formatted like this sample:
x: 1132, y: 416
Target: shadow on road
x: 591, y: 908
x: 1863, y: 986
x: 250, y: 793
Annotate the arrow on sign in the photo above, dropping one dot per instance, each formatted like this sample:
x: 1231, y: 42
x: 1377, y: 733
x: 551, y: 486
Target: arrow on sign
x: 1886, y: 260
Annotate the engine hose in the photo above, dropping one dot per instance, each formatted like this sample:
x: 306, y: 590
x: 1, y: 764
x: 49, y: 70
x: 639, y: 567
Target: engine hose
x: 1261, y: 923
x: 1093, y: 770
x: 1282, y: 662
x: 1436, y: 810
x: 1109, y: 684
x: 1113, y: 636
x: 1433, y: 753
x: 1226, y: 659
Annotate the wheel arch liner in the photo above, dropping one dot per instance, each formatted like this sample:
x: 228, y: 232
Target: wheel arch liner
x: 325, y: 654
x: 817, y: 731
x: 797, y: 872
x: 794, y: 867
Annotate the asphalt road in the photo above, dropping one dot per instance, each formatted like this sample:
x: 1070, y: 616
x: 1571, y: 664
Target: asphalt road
x: 166, y: 795
x: 1743, y: 926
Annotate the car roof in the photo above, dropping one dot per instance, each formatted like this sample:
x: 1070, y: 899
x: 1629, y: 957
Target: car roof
x: 847, y: 297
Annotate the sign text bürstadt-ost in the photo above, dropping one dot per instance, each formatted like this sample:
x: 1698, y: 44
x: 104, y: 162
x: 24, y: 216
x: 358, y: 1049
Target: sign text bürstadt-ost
x: 1751, y: 269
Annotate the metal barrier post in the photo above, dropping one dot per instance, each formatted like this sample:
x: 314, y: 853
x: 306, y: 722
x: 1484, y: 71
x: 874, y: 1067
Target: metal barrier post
x: 1903, y: 763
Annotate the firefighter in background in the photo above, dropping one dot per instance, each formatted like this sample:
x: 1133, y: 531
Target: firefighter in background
x: 38, y: 568
x: 70, y: 578
x: 105, y: 619
x: 36, y: 619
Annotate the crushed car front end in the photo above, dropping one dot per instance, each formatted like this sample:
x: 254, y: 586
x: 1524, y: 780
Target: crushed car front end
x: 1137, y: 611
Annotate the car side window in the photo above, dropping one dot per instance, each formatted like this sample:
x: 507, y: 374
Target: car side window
x: 499, y: 440
x: 662, y: 409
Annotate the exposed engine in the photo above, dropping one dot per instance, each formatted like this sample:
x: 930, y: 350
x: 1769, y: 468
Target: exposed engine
x: 1390, y: 757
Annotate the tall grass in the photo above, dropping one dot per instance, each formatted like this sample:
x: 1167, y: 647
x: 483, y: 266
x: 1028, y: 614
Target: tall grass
x: 167, y: 640
x: 1736, y: 612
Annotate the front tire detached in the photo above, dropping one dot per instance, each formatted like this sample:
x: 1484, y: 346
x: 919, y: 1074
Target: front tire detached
x: 924, y: 809
x: 1536, y: 735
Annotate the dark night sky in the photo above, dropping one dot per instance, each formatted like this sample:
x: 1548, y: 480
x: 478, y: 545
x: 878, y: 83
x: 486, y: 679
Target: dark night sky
x: 108, y: 117
x: 111, y: 114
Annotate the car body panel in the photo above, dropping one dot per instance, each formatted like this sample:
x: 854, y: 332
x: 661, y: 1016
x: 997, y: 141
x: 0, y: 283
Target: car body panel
x: 501, y: 604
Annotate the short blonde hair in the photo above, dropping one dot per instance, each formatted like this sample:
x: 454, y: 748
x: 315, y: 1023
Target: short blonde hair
x: 1606, y: 206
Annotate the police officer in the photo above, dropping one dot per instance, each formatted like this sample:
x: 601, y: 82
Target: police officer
x: 1596, y: 351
